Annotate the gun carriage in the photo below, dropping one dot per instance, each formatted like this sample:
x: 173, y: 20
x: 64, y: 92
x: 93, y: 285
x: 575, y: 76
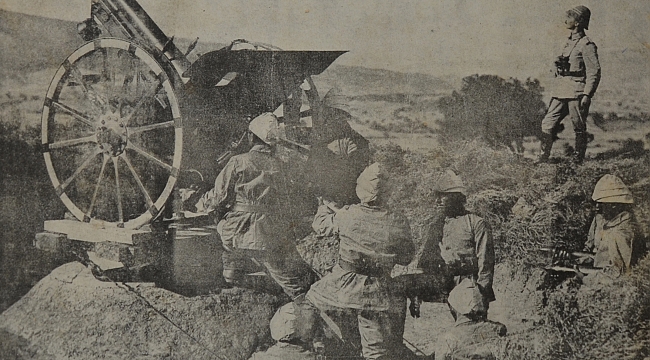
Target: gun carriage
x: 128, y: 119
x: 127, y: 115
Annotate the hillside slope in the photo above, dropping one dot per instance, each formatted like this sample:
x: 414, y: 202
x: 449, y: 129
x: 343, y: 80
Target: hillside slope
x: 31, y: 43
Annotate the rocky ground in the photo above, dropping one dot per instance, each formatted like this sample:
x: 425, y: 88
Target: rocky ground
x: 71, y: 315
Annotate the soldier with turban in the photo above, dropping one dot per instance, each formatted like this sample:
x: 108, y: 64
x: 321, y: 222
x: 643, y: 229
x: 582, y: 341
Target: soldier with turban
x: 357, y: 294
x: 250, y: 199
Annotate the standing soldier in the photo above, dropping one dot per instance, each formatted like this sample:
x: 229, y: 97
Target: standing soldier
x: 248, y: 198
x: 577, y: 76
x: 466, y: 247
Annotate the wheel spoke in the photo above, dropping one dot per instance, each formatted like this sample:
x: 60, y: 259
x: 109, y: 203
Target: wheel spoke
x: 120, y: 212
x: 75, y: 113
x: 99, y: 181
x: 80, y: 168
x: 90, y: 93
x: 142, y: 101
x: 73, y: 142
x: 139, y: 129
x: 137, y: 180
x: 149, y: 156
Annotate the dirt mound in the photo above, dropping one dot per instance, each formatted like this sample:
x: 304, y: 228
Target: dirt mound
x: 521, y: 295
x: 69, y: 314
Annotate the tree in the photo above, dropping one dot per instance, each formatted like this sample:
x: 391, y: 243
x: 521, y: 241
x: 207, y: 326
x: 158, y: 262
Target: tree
x: 500, y: 111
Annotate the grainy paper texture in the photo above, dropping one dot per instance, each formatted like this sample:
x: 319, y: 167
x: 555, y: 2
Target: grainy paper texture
x: 403, y: 61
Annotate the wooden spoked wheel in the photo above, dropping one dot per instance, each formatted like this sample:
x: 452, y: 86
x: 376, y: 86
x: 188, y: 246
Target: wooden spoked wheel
x: 112, y: 134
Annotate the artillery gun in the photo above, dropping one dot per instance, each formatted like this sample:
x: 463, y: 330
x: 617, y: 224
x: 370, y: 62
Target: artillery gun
x: 128, y: 116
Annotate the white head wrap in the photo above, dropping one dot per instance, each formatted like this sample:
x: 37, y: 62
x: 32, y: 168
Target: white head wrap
x: 368, y: 184
x: 466, y: 298
x: 265, y: 127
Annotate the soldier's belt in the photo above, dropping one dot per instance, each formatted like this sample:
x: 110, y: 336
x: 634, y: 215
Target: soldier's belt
x: 364, y: 269
x: 251, y: 208
x: 580, y: 73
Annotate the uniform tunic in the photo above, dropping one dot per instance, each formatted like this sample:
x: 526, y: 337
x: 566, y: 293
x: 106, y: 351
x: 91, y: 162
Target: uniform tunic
x: 583, y: 78
x: 369, y: 237
x: 361, y: 302
x: 338, y: 155
x: 251, y: 179
x: 615, y: 242
x: 468, y: 241
x: 252, y: 188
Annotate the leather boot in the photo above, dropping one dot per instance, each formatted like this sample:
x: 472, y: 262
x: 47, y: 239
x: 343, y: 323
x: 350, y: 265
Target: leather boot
x: 582, y: 139
x: 546, y: 143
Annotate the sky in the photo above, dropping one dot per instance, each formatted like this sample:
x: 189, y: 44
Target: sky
x: 445, y: 37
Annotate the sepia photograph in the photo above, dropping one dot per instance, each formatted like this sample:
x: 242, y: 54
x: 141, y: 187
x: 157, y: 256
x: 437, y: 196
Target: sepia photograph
x: 334, y: 179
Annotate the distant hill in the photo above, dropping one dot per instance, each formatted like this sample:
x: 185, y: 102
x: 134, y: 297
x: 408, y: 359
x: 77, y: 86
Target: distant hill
x: 31, y: 43
x: 357, y: 80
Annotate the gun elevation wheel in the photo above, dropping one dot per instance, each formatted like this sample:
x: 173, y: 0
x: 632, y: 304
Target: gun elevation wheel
x: 112, y: 134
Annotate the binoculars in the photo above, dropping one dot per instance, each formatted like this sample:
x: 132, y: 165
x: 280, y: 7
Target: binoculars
x: 563, y: 66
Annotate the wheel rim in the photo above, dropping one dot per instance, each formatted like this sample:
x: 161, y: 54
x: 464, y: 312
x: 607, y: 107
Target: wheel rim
x: 112, y: 102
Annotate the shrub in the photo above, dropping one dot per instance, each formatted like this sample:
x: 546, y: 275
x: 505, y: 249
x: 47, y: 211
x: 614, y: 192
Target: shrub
x: 497, y: 110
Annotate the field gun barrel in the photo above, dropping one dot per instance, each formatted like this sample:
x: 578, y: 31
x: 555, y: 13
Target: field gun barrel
x: 575, y: 254
x: 582, y: 270
x: 137, y: 24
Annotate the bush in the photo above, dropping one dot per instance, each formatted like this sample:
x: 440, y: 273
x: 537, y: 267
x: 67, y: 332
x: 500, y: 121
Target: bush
x: 499, y: 111
x: 611, y: 321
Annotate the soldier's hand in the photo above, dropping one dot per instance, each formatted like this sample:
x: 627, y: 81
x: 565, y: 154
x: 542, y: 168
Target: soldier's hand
x: 560, y: 255
x: 414, y: 307
x: 585, y: 101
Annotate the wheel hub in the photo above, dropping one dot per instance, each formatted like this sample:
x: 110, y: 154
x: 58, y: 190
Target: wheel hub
x: 111, y: 134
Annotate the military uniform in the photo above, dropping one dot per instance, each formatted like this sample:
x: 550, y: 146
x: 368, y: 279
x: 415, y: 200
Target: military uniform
x: 577, y: 73
x: 614, y: 236
x: 357, y: 294
x: 472, y: 336
x: 582, y: 79
x: 616, y: 243
x: 339, y: 154
x: 251, y: 189
x: 468, y: 250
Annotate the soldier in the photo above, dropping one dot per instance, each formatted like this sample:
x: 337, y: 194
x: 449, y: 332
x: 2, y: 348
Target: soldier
x: 472, y: 336
x: 614, y: 235
x: 249, y: 200
x: 577, y: 76
x: 357, y: 295
x: 338, y: 154
x: 466, y: 246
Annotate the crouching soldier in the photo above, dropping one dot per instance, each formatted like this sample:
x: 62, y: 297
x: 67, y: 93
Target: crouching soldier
x: 472, y: 336
x: 252, y: 212
x: 614, y: 236
x: 357, y: 296
x: 466, y: 246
